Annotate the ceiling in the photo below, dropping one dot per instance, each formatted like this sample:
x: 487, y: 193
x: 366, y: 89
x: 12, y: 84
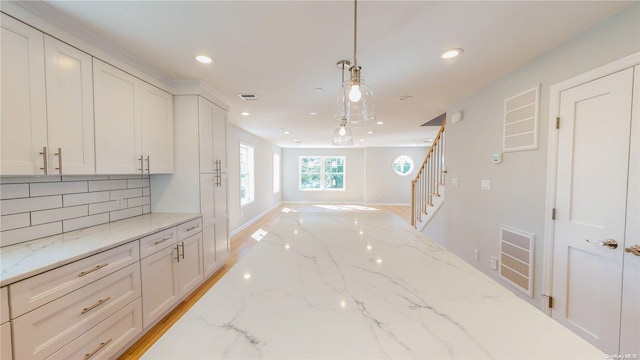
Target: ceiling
x: 282, y: 51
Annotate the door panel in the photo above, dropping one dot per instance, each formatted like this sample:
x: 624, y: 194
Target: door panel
x: 630, y: 334
x: 156, y: 118
x: 593, y: 151
x: 207, y: 185
x: 206, y: 118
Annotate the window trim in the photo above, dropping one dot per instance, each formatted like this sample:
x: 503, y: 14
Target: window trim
x: 322, y: 172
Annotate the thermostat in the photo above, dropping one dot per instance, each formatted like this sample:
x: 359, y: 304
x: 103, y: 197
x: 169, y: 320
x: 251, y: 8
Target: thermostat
x: 497, y: 158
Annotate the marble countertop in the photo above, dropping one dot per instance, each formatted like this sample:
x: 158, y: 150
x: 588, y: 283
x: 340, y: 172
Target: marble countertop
x: 361, y: 285
x: 20, y: 261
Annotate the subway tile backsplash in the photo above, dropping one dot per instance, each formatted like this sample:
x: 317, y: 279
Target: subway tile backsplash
x: 35, y: 207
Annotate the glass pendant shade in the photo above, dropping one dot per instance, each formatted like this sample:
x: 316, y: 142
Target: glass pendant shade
x: 342, y: 137
x: 355, y: 112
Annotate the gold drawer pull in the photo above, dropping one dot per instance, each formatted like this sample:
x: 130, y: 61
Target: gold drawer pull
x: 163, y: 240
x: 193, y: 227
x: 98, y: 348
x: 97, y: 267
x: 100, y: 302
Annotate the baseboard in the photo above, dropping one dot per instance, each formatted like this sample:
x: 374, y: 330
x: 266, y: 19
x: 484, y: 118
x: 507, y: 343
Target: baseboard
x: 248, y: 223
x: 388, y: 204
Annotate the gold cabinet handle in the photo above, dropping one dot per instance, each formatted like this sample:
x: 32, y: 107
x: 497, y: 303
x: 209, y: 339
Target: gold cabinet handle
x: 97, y: 267
x: 163, y: 240
x: 59, y: 155
x: 635, y: 250
x: 89, y: 308
x: 98, y: 348
x: 44, y: 158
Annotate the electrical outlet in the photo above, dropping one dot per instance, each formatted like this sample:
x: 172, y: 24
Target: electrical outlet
x: 485, y: 185
x: 455, y: 182
x: 476, y: 254
x: 120, y: 202
x: 493, y: 261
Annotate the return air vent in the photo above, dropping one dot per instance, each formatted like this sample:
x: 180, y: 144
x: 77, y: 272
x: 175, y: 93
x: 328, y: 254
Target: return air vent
x: 516, y: 259
x: 248, y: 97
x: 521, y: 121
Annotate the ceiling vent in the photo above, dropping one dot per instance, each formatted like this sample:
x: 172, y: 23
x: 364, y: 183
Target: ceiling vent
x: 248, y: 97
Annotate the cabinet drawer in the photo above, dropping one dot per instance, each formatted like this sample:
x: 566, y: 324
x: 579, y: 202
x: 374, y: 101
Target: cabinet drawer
x: 4, y: 303
x: 158, y: 241
x: 189, y: 228
x: 106, y: 338
x: 5, y: 342
x: 48, y: 328
x: 31, y: 293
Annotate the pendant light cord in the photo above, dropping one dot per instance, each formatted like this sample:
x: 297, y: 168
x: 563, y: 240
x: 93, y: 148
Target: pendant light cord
x: 355, y: 32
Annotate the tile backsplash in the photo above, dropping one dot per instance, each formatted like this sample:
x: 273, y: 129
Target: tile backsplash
x: 35, y: 207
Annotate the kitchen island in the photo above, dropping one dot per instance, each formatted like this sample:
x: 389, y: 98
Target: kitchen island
x: 361, y: 285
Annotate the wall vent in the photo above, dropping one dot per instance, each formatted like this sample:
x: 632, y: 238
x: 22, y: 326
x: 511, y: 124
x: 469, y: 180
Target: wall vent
x: 248, y: 97
x: 521, y: 121
x: 516, y: 258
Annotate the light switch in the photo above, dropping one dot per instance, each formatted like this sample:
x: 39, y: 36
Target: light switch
x: 493, y: 261
x: 454, y: 182
x: 485, y: 185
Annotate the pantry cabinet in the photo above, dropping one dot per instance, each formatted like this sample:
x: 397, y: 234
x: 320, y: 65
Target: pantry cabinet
x: 137, y: 117
x: 200, y: 139
x: 5, y: 327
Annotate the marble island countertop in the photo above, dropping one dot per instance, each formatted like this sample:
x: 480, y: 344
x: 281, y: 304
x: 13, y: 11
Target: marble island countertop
x: 20, y: 261
x: 361, y: 285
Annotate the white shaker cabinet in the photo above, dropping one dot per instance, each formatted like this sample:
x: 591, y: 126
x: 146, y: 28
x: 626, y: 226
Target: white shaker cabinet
x: 133, y: 124
x: 5, y: 327
x: 23, y: 111
x: 69, y: 88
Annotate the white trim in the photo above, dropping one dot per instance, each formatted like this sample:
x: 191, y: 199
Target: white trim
x: 199, y: 87
x: 552, y: 159
x: 248, y: 223
x: 386, y: 204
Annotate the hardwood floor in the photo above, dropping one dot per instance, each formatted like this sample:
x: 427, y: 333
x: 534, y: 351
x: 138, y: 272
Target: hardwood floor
x: 241, y: 243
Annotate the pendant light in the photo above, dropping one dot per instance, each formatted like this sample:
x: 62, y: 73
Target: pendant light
x: 355, y: 100
x: 342, y: 135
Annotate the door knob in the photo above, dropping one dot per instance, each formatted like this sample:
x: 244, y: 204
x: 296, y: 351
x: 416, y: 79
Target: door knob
x: 610, y: 243
x: 635, y: 250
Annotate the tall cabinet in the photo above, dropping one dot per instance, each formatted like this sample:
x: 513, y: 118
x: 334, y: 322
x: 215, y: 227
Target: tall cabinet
x: 199, y: 182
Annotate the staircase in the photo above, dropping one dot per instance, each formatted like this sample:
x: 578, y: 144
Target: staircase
x: 427, y: 189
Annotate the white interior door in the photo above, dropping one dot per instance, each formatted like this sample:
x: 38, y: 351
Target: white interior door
x: 591, y: 194
x: 630, y: 327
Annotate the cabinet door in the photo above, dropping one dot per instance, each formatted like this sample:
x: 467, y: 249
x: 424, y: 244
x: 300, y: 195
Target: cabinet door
x: 117, y: 138
x: 155, y: 111
x: 69, y: 84
x: 222, y: 220
x: 207, y: 209
x: 190, y: 266
x: 6, y: 352
x: 206, y: 116
x: 23, y: 111
x: 220, y: 138
x: 160, y: 288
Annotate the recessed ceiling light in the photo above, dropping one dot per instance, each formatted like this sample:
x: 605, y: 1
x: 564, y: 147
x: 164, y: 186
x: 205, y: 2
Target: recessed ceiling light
x: 244, y: 113
x: 313, y: 113
x: 451, y: 53
x: 361, y: 139
x: 379, y: 122
x: 369, y: 132
x: 204, y: 59
x: 319, y: 89
x: 296, y: 141
x: 286, y: 132
x: 406, y: 97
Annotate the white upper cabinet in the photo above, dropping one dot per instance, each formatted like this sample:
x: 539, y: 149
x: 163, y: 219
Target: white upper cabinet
x: 133, y: 124
x: 117, y: 149
x: 212, y: 137
x: 23, y: 110
x: 69, y: 88
x: 156, y: 117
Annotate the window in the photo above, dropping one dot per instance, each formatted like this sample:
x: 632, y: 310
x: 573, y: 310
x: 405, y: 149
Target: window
x: 276, y: 173
x: 246, y: 174
x: 403, y: 165
x: 322, y: 173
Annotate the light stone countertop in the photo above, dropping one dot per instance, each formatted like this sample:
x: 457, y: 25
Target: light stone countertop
x: 361, y: 285
x: 20, y: 261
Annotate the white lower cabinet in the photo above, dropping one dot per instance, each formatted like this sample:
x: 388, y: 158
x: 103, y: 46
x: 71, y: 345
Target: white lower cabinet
x: 5, y: 344
x: 43, y: 331
x: 172, y: 271
x: 106, y: 338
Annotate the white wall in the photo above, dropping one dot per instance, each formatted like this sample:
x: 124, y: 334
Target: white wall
x: 369, y: 176
x: 470, y: 218
x: 265, y: 199
x: 383, y: 185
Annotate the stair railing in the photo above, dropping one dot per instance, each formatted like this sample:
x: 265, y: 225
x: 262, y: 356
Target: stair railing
x: 430, y: 176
